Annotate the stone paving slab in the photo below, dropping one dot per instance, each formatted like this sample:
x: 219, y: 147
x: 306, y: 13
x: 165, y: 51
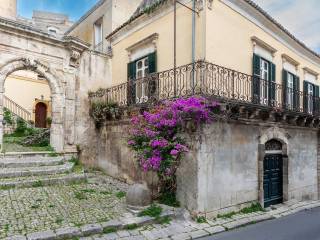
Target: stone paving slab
x: 62, y: 207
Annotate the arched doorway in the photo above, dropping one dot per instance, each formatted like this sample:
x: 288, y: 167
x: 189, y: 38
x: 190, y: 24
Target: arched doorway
x: 41, y: 115
x: 58, y: 99
x: 273, y: 173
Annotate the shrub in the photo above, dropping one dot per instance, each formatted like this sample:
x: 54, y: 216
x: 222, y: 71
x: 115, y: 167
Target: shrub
x: 152, y: 211
x: 154, y: 136
x: 101, y: 111
x: 7, y: 116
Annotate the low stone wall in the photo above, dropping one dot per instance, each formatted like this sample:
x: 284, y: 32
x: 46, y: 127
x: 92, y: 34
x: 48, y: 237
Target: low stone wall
x: 113, y: 156
x: 222, y: 172
x: 224, y: 169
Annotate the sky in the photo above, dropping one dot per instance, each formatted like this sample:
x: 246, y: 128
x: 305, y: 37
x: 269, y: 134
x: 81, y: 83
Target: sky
x: 74, y: 8
x: 300, y: 17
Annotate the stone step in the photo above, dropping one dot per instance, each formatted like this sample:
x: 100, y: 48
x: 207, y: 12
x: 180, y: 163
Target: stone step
x: 30, y: 162
x: 35, y: 171
x: 37, y: 181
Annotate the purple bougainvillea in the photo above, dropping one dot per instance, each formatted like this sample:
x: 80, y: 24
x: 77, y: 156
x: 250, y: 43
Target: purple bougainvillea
x: 154, y: 135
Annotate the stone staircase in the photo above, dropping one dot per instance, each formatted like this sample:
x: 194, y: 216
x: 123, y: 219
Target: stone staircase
x: 37, y: 169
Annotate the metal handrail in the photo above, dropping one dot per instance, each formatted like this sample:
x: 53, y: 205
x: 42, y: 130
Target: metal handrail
x: 16, y: 109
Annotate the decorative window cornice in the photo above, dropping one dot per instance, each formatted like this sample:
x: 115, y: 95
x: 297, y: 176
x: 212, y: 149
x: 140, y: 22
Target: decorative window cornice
x: 310, y: 71
x: 287, y: 58
x: 257, y: 41
x: 150, y: 39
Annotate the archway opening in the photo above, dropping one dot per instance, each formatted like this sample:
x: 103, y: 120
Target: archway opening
x: 273, y: 170
x: 27, y: 111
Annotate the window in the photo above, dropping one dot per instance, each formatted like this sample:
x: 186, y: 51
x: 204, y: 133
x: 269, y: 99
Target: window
x: 263, y: 81
x: 142, y: 70
x: 264, y: 73
x: 98, y: 35
x: 141, y: 86
x: 310, y: 98
x: 52, y: 31
x: 290, y: 90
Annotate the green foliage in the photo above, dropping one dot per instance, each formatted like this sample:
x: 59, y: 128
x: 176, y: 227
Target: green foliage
x: 169, y: 199
x: 38, y: 183
x: 120, y: 194
x: 107, y: 230
x: 7, y: 116
x: 131, y: 226
x: 151, y: 8
x: 255, y: 207
x: 80, y: 195
x: 102, y: 111
x: 6, y: 187
x: 88, y: 190
x: 49, y: 120
x: 227, y: 215
x: 152, y: 211
x: 201, y: 219
x: 163, y: 220
x: 22, y: 127
x: 77, y: 167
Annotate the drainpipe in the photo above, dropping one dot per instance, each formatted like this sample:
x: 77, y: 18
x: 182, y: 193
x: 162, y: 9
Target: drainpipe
x: 193, y: 40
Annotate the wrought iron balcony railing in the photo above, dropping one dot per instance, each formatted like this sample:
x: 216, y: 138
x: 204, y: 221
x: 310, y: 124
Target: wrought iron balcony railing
x: 207, y: 79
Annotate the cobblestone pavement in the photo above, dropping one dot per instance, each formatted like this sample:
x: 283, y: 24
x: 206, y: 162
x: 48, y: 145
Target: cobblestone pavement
x: 36, y: 209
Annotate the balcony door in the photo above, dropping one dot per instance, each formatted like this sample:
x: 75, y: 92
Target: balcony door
x: 311, y: 98
x: 291, y: 91
x: 142, y: 84
x: 263, y: 82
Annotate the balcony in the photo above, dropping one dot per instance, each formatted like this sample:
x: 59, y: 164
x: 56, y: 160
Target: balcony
x: 246, y: 94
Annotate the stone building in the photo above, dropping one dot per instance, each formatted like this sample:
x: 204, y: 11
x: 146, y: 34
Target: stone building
x: 265, y: 150
x: 265, y: 78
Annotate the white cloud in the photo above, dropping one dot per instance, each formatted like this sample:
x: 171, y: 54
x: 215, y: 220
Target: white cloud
x: 300, y: 17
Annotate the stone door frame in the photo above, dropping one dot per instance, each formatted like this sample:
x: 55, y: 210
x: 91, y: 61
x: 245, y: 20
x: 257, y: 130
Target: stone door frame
x: 57, y: 95
x: 273, y: 134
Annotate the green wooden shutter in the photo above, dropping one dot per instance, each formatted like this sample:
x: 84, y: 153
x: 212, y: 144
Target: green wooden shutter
x: 152, y: 62
x: 305, y: 96
x: 296, y: 93
x: 272, y: 85
x: 256, y: 79
x: 131, y: 70
x: 316, y: 99
x: 131, y: 87
x: 152, y: 82
x: 284, y: 87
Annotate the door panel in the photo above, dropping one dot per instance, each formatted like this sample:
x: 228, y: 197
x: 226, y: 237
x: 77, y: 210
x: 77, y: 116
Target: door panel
x: 272, y: 179
x: 41, y: 115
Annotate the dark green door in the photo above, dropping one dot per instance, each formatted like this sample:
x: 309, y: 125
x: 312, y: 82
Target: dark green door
x: 272, y: 179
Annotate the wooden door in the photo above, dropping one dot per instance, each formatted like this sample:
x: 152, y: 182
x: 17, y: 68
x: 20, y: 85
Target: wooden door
x: 41, y: 115
x: 272, y: 182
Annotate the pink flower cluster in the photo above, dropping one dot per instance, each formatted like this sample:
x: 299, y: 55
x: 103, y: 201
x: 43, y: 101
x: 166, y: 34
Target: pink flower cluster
x: 154, y: 134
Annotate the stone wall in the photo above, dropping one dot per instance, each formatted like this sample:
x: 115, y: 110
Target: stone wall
x: 221, y: 171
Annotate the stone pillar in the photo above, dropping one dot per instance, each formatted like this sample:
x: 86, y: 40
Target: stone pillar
x: 70, y: 111
x: 261, y: 154
x: 57, y: 130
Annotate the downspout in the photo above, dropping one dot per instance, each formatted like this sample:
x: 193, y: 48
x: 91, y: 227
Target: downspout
x: 193, y: 42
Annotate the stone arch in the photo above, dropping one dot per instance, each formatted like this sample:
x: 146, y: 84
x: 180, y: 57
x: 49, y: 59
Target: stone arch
x: 57, y: 130
x: 283, y: 137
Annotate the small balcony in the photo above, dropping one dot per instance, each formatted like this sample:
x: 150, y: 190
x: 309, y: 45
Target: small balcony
x: 237, y: 90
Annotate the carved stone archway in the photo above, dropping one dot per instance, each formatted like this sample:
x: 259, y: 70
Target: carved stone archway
x: 57, y: 94
x: 273, y: 134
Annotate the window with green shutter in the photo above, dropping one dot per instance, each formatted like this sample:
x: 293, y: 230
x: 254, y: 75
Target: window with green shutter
x: 140, y: 88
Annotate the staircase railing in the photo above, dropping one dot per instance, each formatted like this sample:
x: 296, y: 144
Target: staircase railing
x: 16, y: 109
